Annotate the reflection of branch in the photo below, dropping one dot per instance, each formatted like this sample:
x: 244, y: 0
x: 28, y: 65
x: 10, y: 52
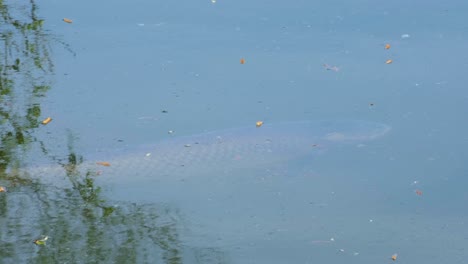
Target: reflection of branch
x: 82, y: 227
x: 24, y: 80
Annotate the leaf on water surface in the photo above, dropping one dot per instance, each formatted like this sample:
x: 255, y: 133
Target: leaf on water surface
x: 103, y: 163
x: 41, y: 241
x: 46, y: 121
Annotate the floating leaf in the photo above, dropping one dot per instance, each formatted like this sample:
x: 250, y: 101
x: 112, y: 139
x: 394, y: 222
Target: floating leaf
x: 41, y: 241
x: 103, y: 163
x: 69, y: 21
x: 46, y: 121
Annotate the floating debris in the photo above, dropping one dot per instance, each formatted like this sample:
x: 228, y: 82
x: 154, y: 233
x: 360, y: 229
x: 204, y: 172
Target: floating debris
x: 387, y: 46
x: 213, y: 1
x: 371, y: 104
x: 389, y: 61
x: 331, y: 68
x: 2, y: 189
x: 170, y: 131
x: 164, y: 111
x: 46, y: 121
x: 103, y: 163
x: 259, y: 123
x: 405, y: 36
x: 187, y: 145
x: 41, y: 241
x: 69, y: 21
x: 242, y: 61
x: 418, y: 192
x: 394, y: 257
x: 148, y: 154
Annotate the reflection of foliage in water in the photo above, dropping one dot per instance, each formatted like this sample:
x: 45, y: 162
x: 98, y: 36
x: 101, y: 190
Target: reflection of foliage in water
x: 80, y: 233
x: 24, y: 62
x: 81, y: 225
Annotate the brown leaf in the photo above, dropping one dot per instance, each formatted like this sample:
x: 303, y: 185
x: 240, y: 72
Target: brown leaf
x: 103, y: 163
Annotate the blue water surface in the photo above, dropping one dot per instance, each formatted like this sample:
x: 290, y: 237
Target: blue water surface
x: 144, y: 71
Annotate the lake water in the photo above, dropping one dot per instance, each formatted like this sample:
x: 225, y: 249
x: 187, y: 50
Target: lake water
x: 169, y: 94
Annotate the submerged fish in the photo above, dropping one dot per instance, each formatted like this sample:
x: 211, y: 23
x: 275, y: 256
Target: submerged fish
x: 224, y: 150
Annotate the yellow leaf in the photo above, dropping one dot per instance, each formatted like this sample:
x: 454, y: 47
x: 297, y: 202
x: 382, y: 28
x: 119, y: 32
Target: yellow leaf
x: 46, y: 121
